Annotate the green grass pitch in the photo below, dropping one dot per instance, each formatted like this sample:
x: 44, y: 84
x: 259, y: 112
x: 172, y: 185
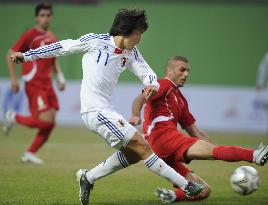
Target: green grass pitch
x: 71, y: 148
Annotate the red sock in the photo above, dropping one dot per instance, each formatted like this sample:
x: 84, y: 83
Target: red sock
x: 233, y: 153
x: 180, y: 195
x: 32, y: 122
x: 39, y: 140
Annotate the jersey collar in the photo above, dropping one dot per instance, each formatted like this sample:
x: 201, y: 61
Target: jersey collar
x: 172, y: 83
x: 117, y: 50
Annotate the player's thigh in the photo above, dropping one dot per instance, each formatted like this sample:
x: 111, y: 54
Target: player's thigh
x: 111, y: 126
x: 200, y: 150
x: 182, y: 143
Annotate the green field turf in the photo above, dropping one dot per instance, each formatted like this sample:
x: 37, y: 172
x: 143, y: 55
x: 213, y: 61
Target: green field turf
x: 72, y: 148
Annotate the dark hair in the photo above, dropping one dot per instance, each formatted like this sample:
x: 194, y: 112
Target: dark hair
x: 128, y: 20
x: 41, y: 6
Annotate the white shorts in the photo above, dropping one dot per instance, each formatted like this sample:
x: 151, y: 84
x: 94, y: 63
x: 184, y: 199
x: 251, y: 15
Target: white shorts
x: 111, y: 126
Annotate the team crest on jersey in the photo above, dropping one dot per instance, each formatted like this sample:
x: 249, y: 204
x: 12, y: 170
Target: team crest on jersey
x: 120, y: 123
x: 123, y: 61
x: 42, y: 43
x: 105, y: 48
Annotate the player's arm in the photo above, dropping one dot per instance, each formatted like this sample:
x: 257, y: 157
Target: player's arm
x: 61, y: 48
x: 262, y: 73
x: 136, y: 109
x: 194, y: 131
x: 59, y: 75
x: 21, y: 44
x: 143, y: 71
x: 12, y: 73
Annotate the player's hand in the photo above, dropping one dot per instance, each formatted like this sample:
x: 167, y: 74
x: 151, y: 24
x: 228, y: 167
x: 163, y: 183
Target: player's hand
x: 17, y: 57
x: 259, y: 88
x: 61, y: 86
x: 135, y: 120
x: 61, y: 81
x: 150, y: 91
x: 15, y: 85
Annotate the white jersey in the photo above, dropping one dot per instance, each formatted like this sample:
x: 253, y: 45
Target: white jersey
x: 102, y: 64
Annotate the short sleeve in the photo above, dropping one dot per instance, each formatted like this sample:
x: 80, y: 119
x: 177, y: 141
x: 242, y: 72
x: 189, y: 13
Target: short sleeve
x: 22, y: 44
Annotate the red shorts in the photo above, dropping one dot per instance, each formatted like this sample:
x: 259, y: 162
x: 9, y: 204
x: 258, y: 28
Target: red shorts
x: 41, y: 100
x: 170, y: 144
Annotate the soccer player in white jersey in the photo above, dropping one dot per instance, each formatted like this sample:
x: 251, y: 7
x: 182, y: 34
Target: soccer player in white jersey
x: 105, y: 57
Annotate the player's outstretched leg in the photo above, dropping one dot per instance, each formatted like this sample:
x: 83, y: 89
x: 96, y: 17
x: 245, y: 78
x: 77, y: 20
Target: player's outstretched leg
x: 9, y: 118
x: 85, y: 186
x: 204, y: 150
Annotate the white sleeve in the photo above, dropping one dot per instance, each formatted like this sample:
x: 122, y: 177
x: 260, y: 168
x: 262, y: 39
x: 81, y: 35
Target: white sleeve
x: 262, y: 71
x: 141, y: 69
x: 61, y: 48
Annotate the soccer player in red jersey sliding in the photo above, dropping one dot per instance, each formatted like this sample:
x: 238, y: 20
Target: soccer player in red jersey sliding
x: 162, y: 113
x: 43, y: 102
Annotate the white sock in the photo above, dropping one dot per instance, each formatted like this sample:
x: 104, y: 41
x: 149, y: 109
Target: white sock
x: 158, y: 166
x: 114, y: 163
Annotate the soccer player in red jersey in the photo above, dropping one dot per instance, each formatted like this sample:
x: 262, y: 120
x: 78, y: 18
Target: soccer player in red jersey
x: 43, y: 102
x: 161, y: 115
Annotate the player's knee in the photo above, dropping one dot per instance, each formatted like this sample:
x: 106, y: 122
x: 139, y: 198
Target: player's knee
x: 47, y: 127
x: 205, y: 192
x: 50, y: 125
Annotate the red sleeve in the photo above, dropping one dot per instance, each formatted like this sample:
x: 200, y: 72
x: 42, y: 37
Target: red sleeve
x: 22, y: 44
x: 187, y: 119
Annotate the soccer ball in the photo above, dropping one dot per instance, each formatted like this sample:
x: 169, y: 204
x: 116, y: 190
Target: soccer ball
x: 245, y: 180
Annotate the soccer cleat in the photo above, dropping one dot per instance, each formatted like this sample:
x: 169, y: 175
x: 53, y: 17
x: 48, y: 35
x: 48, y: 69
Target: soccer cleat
x: 8, y: 121
x: 84, y: 186
x: 166, y: 196
x: 260, y: 156
x: 31, y: 158
x: 193, y: 189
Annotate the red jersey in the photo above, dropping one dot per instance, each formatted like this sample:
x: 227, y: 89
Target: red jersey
x: 36, y: 73
x: 168, y: 107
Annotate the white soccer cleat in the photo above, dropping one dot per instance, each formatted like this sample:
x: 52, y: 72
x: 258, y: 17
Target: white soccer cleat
x: 31, y: 158
x: 8, y: 121
x: 260, y: 156
x: 166, y: 196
